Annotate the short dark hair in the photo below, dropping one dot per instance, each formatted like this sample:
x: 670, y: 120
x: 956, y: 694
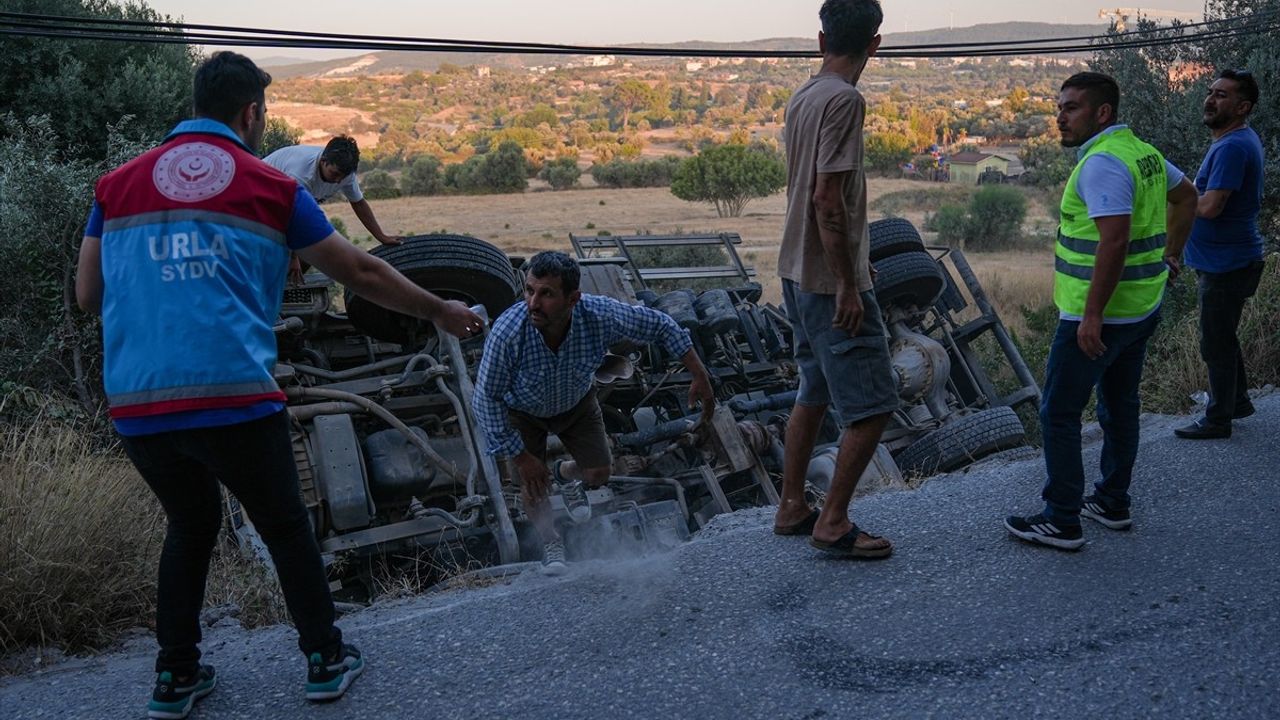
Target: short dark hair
x: 550, y: 263
x: 225, y: 83
x: 1101, y: 89
x: 850, y: 25
x: 343, y: 153
x: 1246, y: 84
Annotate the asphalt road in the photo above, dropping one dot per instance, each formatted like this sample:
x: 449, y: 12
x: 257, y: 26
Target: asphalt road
x: 1177, y: 618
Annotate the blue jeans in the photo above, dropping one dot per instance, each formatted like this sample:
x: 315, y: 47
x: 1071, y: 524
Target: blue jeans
x: 1070, y: 379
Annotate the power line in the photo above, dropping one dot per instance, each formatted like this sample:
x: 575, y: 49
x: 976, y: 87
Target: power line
x: 62, y: 27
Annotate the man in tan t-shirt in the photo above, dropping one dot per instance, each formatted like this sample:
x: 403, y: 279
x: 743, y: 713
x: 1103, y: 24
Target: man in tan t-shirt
x: 840, y: 344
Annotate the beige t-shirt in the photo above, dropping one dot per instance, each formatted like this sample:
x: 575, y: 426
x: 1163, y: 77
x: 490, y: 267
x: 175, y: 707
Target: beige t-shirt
x: 823, y: 134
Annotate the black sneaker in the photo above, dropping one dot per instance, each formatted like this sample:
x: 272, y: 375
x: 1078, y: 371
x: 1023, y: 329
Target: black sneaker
x: 174, y: 698
x: 329, y: 679
x: 1042, y: 530
x: 1202, y: 429
x: 1097, y: 511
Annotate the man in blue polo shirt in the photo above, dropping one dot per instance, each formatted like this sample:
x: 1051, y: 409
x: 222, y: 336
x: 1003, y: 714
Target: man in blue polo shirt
x: 1226, y: 248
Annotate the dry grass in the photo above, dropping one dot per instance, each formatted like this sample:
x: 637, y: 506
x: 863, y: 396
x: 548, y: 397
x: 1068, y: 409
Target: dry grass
x: 79, y: 540
x: 80, y: 537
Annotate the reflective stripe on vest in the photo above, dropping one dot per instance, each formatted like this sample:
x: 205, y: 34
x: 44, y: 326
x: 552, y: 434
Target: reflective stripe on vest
x: 1142, y: 281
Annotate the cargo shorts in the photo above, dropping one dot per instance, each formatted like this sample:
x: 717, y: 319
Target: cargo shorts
x: 580, y: 429
x: 853, y: 373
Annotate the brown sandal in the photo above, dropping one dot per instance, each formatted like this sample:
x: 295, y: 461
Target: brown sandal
x: 804, y: 527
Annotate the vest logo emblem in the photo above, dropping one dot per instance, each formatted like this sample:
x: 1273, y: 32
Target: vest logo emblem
x: 194, y: 171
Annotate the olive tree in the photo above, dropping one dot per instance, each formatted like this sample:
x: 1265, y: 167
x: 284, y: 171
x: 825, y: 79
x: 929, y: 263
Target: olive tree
x: 69, y: 111
x: 728, y: 176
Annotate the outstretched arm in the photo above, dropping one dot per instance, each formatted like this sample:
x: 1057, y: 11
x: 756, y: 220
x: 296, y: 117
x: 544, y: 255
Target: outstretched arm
x: 365, y: 213
x: 372, y: 278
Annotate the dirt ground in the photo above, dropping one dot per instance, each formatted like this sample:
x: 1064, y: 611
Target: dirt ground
x: 542, y: 220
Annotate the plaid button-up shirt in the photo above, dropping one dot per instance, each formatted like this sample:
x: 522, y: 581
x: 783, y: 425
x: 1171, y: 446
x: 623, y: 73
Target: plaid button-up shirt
x: 519, y: 372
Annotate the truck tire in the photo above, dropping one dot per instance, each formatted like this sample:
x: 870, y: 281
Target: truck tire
x: 963, y: 441
x: 893, y: 236
x: 911, y: 278
x: 455, y: 267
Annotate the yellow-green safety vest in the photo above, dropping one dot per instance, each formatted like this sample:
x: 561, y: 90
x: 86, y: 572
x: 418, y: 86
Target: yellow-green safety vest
x: 1142, y: 283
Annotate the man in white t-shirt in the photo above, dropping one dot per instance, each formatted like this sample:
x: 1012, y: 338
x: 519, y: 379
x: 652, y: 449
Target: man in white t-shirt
x: 329, y: 171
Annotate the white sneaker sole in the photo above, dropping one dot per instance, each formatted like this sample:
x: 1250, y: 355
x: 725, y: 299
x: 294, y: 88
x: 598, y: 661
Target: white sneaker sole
x: 347, y: 679
x: 1110, y: 524
x: 554, y: 569
x: 1039, y: 539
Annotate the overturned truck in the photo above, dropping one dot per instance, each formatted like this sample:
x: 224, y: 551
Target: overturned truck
x: 393, y: 466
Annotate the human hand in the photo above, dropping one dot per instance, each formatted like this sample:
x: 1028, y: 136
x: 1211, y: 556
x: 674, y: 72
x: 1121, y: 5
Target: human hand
x: 700, y: 392
x: 458, y: 320
x: 1175, y: 266
x: 391, y: 239
x: 534, y: 478
x: 1089, y: 337
x: 295, y: 269
x: 848, y: 316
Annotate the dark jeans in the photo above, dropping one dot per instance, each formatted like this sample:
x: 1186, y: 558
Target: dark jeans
x: 1222, y: 297
x: 1070, y: 379
x: 255, y: 461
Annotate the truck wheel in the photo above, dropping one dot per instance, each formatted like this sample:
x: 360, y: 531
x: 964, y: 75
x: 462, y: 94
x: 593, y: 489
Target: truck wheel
x: 455, y: 267
x: 893, y: 236
x: 911, y: 278
x: 963, y: 441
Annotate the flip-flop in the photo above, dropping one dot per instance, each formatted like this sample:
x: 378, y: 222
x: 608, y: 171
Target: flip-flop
x: 804, y: 527
x: 847, y: 546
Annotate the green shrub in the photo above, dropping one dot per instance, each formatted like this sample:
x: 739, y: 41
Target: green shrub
x: 951, y: 222
x: 379, y: 185
x: 636, y: 173
x: 561, y: 173
x: 423, y: 177
x: 995, y: 218
x: 503, y: 170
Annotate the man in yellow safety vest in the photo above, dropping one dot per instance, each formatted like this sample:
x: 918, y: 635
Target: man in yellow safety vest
x: 1125, y: 216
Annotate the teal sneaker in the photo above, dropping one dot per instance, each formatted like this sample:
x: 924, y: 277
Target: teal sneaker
x: 173, y: 698
x: 328, y: 680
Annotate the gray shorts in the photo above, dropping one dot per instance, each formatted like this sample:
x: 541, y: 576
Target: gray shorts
x: 851, y: 372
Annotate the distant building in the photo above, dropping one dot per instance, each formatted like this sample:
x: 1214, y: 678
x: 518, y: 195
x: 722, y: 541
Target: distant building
x: 694, y: 66
x: 967, y: 166
x: 482, y: 71
x: 600, y: 60
x: 994, y: 103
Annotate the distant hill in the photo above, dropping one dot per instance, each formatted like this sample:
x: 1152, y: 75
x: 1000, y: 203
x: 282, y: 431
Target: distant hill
x: 394, y: 62
x: 278, y: 60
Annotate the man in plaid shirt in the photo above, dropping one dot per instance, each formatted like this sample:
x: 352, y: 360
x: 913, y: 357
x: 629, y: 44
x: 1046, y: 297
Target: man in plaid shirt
x: 536, y: 377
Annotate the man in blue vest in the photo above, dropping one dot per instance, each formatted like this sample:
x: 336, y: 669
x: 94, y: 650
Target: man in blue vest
x: 184, y: 255
x: 1226, y: 248
x: 1115, y: 253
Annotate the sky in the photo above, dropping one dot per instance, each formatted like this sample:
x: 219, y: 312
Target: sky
x: 603, y: 22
